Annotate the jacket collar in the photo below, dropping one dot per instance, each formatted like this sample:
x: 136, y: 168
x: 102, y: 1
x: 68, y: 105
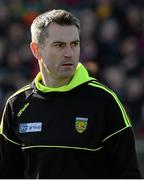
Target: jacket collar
x: 80, y: 76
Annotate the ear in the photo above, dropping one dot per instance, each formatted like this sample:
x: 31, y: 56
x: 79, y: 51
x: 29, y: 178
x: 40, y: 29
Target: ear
x: 35, y: 50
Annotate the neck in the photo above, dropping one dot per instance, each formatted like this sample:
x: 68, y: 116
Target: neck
x: 51, y: 80
x: 54, y: 82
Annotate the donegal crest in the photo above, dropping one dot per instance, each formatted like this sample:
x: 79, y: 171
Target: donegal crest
x: 81, y: 124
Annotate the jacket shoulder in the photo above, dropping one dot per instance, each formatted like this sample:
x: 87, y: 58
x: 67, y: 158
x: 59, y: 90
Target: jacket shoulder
x: 114, y: 102
x: 22, y: 93
x: 96, y: 85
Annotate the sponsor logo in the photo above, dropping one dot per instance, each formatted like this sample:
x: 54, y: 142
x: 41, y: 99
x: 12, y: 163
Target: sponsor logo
x: 22, y: 109
x: 81, y: 124
x: 30, y: 127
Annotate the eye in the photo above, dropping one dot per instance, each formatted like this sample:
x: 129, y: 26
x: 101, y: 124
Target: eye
x: 59, y: 45
x: 75, y: 43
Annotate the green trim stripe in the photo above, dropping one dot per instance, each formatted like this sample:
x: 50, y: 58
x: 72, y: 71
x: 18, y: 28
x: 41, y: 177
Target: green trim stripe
x: 61, y: 147
x: 16, y: 93
x: 19, y: 91
x: 1, y: 124
x: 114, y: 134
x: 118, y: 101
x: 10, y: 140
x: 48, y: 146
x: 99, y: 85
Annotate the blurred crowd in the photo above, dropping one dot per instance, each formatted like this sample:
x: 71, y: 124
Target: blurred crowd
x: 112, y: 47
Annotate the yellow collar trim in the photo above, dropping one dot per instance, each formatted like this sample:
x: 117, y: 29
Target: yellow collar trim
x: 80, y: 76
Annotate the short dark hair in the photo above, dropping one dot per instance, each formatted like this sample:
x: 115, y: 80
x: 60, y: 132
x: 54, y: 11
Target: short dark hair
x: 39, y: 27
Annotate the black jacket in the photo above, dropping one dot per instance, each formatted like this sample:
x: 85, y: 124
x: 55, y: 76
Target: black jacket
x: 80, y: 130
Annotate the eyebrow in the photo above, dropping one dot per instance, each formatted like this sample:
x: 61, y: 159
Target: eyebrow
x: 57, y: 42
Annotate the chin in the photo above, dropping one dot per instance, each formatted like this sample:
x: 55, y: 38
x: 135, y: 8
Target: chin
x: 67, y: 75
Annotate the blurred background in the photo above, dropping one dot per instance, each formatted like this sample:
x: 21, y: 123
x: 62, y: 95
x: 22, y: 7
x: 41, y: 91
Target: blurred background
x: 112, y: 49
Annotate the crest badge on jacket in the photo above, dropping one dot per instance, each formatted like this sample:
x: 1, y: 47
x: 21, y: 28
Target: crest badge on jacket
x: 81, y: 124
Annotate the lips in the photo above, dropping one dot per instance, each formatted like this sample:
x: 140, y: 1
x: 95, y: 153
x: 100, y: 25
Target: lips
x: 67, y: 64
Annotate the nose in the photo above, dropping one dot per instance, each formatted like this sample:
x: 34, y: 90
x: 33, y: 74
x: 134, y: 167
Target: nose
x: 68, y: 51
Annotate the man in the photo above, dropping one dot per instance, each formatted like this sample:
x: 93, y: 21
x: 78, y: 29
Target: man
x: 65, y: 124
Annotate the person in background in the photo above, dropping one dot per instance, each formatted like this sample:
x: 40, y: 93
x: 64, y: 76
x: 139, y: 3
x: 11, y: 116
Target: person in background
x: 65, y: 124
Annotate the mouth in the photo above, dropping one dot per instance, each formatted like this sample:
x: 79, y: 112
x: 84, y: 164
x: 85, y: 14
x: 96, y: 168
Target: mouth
x: 67, y: 64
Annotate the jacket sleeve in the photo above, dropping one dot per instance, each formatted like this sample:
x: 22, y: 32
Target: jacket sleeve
x: 120, y: 143
x: 11, y: 156
x: 121, y: 152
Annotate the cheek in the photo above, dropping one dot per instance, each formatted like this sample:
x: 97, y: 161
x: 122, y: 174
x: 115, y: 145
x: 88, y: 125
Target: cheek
x: 53, y: 61
x: 50, y: 57
x: 77, y: 52
x: 55, y: 54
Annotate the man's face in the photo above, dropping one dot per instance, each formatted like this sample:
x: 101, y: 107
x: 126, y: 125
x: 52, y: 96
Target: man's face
x: 61, y: 50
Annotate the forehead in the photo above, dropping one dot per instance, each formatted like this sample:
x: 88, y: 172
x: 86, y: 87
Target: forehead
x: 63, y: 33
